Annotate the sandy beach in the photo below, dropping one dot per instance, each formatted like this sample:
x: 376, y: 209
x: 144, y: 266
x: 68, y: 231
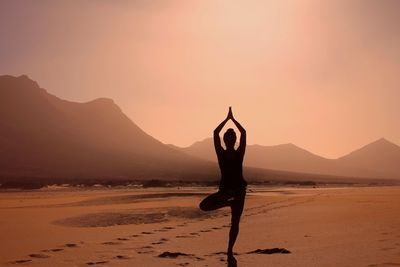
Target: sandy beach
x: 349, y: 226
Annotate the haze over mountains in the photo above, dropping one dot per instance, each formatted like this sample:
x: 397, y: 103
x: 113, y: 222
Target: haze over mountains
x: 378, y: 159
x: 47, y: 138
x: 44, y: 136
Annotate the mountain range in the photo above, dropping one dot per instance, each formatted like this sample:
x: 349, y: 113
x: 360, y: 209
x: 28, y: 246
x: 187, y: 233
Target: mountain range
x: 380, y: 158
x: 43, y: 136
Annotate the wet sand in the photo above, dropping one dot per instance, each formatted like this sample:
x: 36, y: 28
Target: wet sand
x: 349, y: 226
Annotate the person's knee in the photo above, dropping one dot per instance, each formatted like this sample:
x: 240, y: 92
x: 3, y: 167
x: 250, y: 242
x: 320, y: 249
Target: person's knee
x: 203, y: 206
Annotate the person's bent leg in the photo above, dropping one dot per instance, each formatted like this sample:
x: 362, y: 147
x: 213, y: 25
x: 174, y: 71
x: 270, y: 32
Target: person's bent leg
x: 236, y: 210
x: 215, y: 201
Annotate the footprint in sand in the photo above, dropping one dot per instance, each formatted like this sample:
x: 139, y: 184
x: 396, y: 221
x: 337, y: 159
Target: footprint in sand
x: 122, y: 257
x: 20, y: 261
x: 386, y: 249
x: 111, y: 243
x: 168, y: 228
x: 184, y: 236
x: 39, y: 256
x: 205, y: 231
x: 134, y: 235
x: 147, y: 233
x: 161, y: 241
x: 174, y: 255
x: 122, y: 239
x: 145, y: 250
x: 71, y: 245
x: 96, y: 262
x: 53, y: 250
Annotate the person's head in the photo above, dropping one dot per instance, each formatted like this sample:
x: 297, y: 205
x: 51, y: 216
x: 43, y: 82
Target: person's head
x: 230, y: 138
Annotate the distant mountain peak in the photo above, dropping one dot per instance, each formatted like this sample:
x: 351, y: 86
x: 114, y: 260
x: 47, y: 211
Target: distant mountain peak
x: 21, y: 77
x: 376, y: 149
x: 102, y: 101
x: 24, y: 76
x: 104, y: 104
x: 288, y: 145
x: 280, y: 146
x: 383, y: 141
x: 23, y: 80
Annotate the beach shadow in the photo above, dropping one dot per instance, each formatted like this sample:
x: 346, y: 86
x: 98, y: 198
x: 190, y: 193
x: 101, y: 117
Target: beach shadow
x: 270, y: 251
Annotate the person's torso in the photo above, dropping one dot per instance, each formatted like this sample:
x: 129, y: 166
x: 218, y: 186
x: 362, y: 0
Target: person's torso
x: 231, y: 166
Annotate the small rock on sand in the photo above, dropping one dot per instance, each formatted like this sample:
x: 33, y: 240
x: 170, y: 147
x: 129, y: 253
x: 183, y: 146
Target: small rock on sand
x: 173, y: 255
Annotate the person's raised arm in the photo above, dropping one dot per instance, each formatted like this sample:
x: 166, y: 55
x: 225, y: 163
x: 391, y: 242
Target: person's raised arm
x: 242, y: 144
x: 217, y: 140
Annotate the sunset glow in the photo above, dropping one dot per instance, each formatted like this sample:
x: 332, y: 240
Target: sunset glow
x: 320, y: 74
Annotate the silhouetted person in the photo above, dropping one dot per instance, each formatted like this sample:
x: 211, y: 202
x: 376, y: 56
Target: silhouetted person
x: 232, y: 187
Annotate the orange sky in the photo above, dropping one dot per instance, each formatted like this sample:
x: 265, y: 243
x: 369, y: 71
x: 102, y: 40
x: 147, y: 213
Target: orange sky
x: 323, y: 75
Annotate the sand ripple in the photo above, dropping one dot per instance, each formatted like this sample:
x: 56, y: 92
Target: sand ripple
x: 105, y: 219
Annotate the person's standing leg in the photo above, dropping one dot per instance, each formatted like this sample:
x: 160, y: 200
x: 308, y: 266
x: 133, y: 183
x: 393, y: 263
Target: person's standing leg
x: 236, y: 210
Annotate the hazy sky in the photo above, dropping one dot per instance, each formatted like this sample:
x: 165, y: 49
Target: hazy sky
x: 324, y: 75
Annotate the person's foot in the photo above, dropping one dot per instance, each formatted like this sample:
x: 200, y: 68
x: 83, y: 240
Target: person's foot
x: 231, y: 260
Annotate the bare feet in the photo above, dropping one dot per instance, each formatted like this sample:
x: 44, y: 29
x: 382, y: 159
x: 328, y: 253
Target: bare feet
x: 231, y: 260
